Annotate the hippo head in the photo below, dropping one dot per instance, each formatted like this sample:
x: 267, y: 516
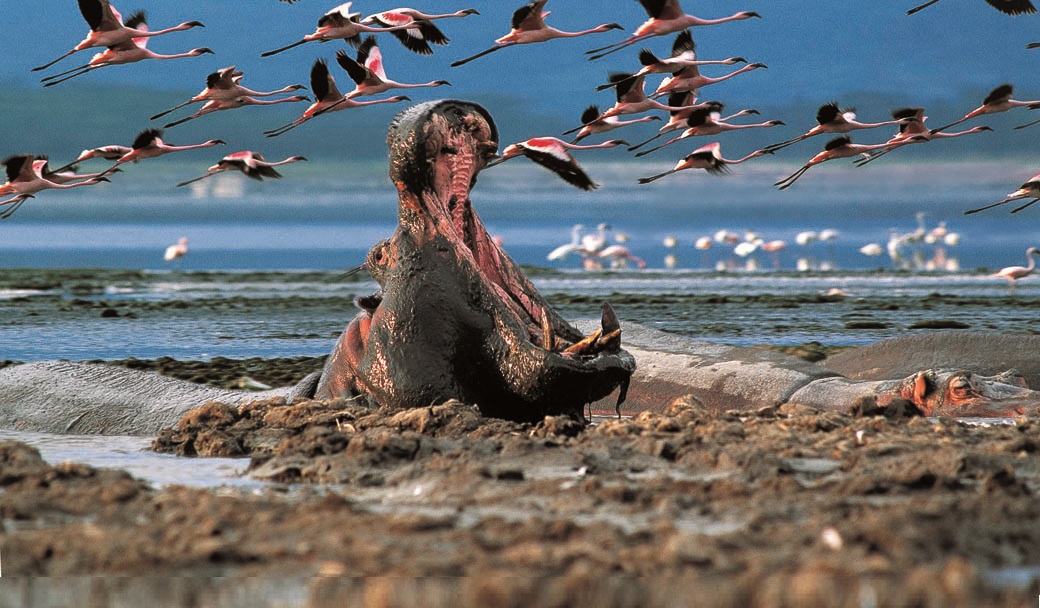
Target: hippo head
x: 456, y: 318
x: 963, y: 393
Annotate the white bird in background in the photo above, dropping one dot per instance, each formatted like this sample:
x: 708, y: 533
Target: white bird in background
x: 620, y: 256
x: 107, y: 28
x: 567, y: 249
x: 707, y: 157
x: 177, y: 250
x: 528, y: 26
x: 1030, y: 190
x: 1014, y: 273
x: 251, y: 164
x: 594, y: 242
x: 872, y: 249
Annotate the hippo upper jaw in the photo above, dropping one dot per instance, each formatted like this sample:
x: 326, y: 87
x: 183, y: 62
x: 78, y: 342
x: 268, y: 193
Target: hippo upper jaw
x: 963, y: 393
x: 457, y: 318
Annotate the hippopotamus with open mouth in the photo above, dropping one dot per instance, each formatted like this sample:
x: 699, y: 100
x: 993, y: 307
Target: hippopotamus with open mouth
x: 456, y: 317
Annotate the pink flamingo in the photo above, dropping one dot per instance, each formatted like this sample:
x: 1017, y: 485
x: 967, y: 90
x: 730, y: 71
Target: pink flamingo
x: 418, y: 38
x: 368, y: 74
x: 149, y: 144
x: 327, y: 98
x: 707, y: 157
x: 107, y: 28
x: 684, y: 53
x: 105, y: 152
x: 913, y: 131
x: 999, y: 100
x: 620, y: 256
x: 177, y: 250
x: 529, y: 27
x: 1014, y: 273
x: 689, y: 78
x: 338, y: 23
x: 1008, y: 7
x: 131, y: 51
x: 251, y: 164
x: 630, y: 96
x: 225, y: 84
x: 839, y: 147
x: 25, y: 178
x: 552, y: 153
x: 216, y: 105
x: 666, y: 17
x: 684, y: 104
x: 1030, y: 190
x: 832, y: 119
x: 708, y: 122
x: 592, y: 123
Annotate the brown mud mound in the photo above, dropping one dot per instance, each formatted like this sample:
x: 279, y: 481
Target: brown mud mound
x: 783, y: 506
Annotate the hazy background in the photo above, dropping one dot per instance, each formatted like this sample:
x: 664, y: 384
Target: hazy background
x: 867, y: 54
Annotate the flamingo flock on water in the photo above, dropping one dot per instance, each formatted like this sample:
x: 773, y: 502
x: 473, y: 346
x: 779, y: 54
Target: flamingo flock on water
x: 674, y: 101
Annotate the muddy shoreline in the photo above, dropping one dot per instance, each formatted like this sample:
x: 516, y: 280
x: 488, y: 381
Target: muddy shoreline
x: 779, y: 506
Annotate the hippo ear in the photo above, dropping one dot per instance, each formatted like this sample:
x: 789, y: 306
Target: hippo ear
x: 922, y: 386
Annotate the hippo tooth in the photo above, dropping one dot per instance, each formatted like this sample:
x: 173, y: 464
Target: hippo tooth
x: 548, y: 339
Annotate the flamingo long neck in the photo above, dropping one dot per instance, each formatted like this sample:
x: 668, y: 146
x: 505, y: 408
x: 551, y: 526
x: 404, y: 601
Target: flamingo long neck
x: 691, y: 21
x: 595, y: 30
x: 1032, y: 261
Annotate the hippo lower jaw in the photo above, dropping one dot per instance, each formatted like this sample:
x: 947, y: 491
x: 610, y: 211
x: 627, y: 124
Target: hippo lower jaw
x: 456, y: 317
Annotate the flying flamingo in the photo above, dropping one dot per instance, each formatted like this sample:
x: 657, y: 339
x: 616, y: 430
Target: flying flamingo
x: 416, y: 39
x: 913, y: 131
x: 620, y: 256
x: 689, y: 78
x: 553, y: 154
x: 839, y: 147
x: 1030, y: 190
x: 630, y: 96
x: 832, y: 119
x: 25, y: 178
x: 131, y: 51
x: 999, y: 100
x: 107, y: 28
x: 666, y: 17
x: 216, y: 105
x: 708, y: 122
x: 339, y: 23
x: 327, y: 98
x: 592, y: 123
x: 707, y: 157
x: 368, y: 74
x: 65, y: 175
x: 684, y: 105
x: 149, y: 144
x: 252, y: 164
x: 177, y: 250
x: 225, y: 84
x: 528, y: 27
x: 1008, y: 7
x: 105, y: 152
x: 684, y: 53
x: 1014, y: 273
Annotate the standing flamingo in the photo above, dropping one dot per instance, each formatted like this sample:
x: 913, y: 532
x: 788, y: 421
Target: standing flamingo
x: 832, y: 119
x: 107, y: 28
x: 1008, y: 7
x: 149, y: 144
x: 575, y: 246
x: 684, y: 53
x: 327, y: 98
x: 707, y: 157
x: 689, y: 78
x: 620, y: 256
x: 339, y: 23
x: 1030, y: 190
x: 529, y: 27
x: 368, y: 74
x: 251, y: 164
x: 423, y: 33
x: 553, y: 154
x: 25, y: 178
x: 666, y: 17
x: 592, y: 123
x: 225, y: 84
x: 176, y: 251
x: 839, y: 147
x: 1014, y: 273
x: 216, y: 105
x: 131, y: 51
x: 708, y: 122
x: 913, y: 131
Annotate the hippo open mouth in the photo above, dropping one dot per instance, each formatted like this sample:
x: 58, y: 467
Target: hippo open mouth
x: 456, y: 317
